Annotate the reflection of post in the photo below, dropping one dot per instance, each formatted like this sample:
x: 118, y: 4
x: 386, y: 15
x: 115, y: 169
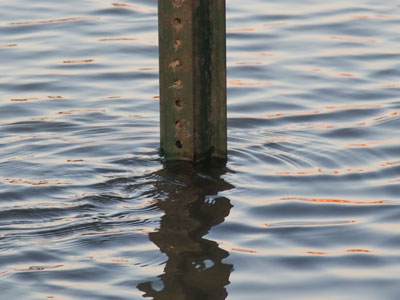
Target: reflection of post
x: 194, y: 269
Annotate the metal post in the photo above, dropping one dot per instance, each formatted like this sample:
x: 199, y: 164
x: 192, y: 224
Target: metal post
x: 192, y: 50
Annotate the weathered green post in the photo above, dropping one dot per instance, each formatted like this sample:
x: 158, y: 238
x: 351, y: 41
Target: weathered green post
x: 192, y: 51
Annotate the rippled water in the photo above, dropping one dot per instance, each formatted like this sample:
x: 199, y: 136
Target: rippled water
x: 308, y: 206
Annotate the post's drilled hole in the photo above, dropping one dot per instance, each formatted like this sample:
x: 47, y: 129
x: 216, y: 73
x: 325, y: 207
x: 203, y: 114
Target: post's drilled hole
x: 178, y: 23
x: 177, y: 44
x: 178, y: 144
x: 178, y: 84
x: 175, y: 64
x: 178, y: 2
x: 178, y: 103
x: 179, y: 124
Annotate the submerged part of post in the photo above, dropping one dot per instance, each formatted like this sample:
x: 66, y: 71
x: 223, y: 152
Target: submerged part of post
x: 192, y: 50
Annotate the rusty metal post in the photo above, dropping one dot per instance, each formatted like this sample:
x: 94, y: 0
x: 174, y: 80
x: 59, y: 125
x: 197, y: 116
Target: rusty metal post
x: 192, y: 59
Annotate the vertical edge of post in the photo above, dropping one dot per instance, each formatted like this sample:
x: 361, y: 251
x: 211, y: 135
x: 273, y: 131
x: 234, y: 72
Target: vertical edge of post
x: 219, y: 85
x: 209, y: 63
x: 202, y: 70
x: 162, y: 16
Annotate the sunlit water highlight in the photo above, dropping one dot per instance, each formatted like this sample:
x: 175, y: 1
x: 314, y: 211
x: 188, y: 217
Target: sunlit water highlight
x: 307, y: 208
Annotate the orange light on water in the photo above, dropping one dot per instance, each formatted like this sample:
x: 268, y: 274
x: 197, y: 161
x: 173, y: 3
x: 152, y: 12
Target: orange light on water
x: 352, y: 39
x: 148, y: 69
x: 240, y: 82
x: 8, y: 45
x: 249, y: 63
x: 34, y: 98
x: 134, y: 7
x: 144, y: 230
x: 390, y: 115
x: 116, y: 39
x: 22, y: 99
x: 326, y: 200
x: 339, y: 252
x: 375, y: 16
x: 120, y: 260
x: 275, y: 115
x: 238, y: 30
x: 121, y: 4
x: 110, y: 98
x: 306, y: 223
x: 21, y: 181
x: 325, y: 109
x: 81, y: 61
x: 296, y: 173
x: 262, y: 54
x: 360, y: 17
x: 392, y: 85
x: 369, y: 144
x: 80, y: 111
x: 389, y: 164
x: 353, y: 106
x: 358, y: 251
x: 48, y: 21
x: 320, y: 171
x: 243, y: 250
x: 316, y: 253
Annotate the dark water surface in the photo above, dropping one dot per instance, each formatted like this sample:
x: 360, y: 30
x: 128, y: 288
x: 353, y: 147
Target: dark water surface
x: 308, y: 206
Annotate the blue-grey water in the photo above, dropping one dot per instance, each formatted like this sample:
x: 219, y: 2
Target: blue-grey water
x: 308, y: 206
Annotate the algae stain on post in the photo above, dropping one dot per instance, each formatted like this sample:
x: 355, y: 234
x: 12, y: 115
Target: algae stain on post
x: 192, y: 58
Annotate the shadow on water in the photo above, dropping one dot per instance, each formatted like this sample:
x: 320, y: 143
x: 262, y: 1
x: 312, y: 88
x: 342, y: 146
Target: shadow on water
x: 195, y: 268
